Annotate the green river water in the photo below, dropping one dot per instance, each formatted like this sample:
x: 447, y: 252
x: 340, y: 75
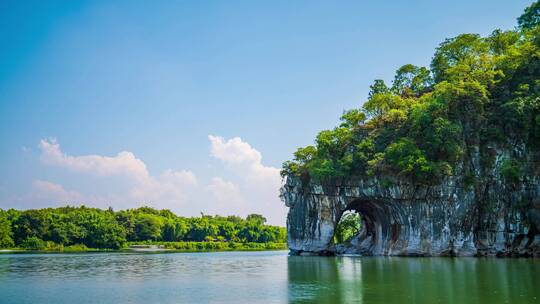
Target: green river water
x: 263, y: 277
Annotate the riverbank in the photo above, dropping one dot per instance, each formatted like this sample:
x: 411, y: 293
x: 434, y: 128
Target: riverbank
x: 214, y: 246
x: 158, y: 246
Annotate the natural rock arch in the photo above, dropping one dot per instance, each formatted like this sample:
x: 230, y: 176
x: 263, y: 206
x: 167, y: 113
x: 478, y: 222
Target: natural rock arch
x: 407, y: 219
x: 382, y: 227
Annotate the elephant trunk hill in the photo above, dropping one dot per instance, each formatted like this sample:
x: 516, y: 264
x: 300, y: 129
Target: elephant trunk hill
x: 444, y: 162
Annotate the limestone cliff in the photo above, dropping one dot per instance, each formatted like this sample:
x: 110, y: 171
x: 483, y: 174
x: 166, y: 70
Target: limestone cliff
x: 489, y: 218
x: 445, y: 161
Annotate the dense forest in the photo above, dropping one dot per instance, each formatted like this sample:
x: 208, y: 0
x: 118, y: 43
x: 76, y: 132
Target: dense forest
x: 479, y: 94
x: 96, y: 228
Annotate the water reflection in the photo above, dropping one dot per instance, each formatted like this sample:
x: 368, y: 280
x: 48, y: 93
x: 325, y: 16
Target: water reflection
x: 412, y: 280
x: 263, y: 277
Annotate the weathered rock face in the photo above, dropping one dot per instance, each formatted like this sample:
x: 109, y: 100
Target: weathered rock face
x: 399, y: 218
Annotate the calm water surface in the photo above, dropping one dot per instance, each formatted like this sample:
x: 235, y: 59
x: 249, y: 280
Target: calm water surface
x: 263, y: 277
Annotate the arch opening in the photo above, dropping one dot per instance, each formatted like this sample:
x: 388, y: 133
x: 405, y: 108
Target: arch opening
x: 348, y: 227
x: 378, y: 228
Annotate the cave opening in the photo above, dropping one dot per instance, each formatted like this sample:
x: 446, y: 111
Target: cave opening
x: 348, y: 227
x: 362, y: 227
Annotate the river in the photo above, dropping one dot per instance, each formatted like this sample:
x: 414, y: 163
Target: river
x: 263, y: 277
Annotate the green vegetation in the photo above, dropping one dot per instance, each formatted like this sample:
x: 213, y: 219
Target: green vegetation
x: 6, y: 235
x: 82, y: 229
x: 479, y: 93
x: 348, y: 226
x: 511, y: 171
x: 216, y: 246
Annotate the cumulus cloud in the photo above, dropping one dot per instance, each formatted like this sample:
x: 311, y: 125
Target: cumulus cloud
x: 48, y: 194
x: 169, y: 187
x: 233, y: 150
x: 240, y: 155
x: 224, y: 191
x: 47, y: 190
x: 164, y: 190
x: 242, y: 185
x: 259, y: 183
x: 124, y: 163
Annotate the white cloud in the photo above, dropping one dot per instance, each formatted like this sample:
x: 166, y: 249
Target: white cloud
x: 259, y: 183
x: 47, y: 190
x: 233, y: 150
x: 124, y: 181
x: 124, y: 163
x: 225, y: 191
x: 45, y: 194
x: 240, y: 155
x: 165, y: 190
x: 42, y: 194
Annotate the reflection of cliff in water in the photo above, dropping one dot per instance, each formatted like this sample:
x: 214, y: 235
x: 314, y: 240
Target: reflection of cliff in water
x: 323, y: 280
x: 406, y: 280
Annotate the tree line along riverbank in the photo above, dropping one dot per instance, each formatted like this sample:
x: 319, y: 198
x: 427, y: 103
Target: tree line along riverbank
x: 76, y: 229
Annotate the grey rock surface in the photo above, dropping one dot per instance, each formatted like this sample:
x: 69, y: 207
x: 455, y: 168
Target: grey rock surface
x: 489, y: 218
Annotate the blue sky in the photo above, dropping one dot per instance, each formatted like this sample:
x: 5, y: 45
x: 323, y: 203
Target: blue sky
x: 113, y: 102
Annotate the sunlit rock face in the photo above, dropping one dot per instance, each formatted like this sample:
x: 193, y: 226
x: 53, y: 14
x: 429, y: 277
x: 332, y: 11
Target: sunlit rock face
x: 399, y: 218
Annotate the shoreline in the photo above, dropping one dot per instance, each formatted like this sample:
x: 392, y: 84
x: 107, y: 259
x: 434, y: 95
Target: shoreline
x: 156, y: 247
x: 24, y: 251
